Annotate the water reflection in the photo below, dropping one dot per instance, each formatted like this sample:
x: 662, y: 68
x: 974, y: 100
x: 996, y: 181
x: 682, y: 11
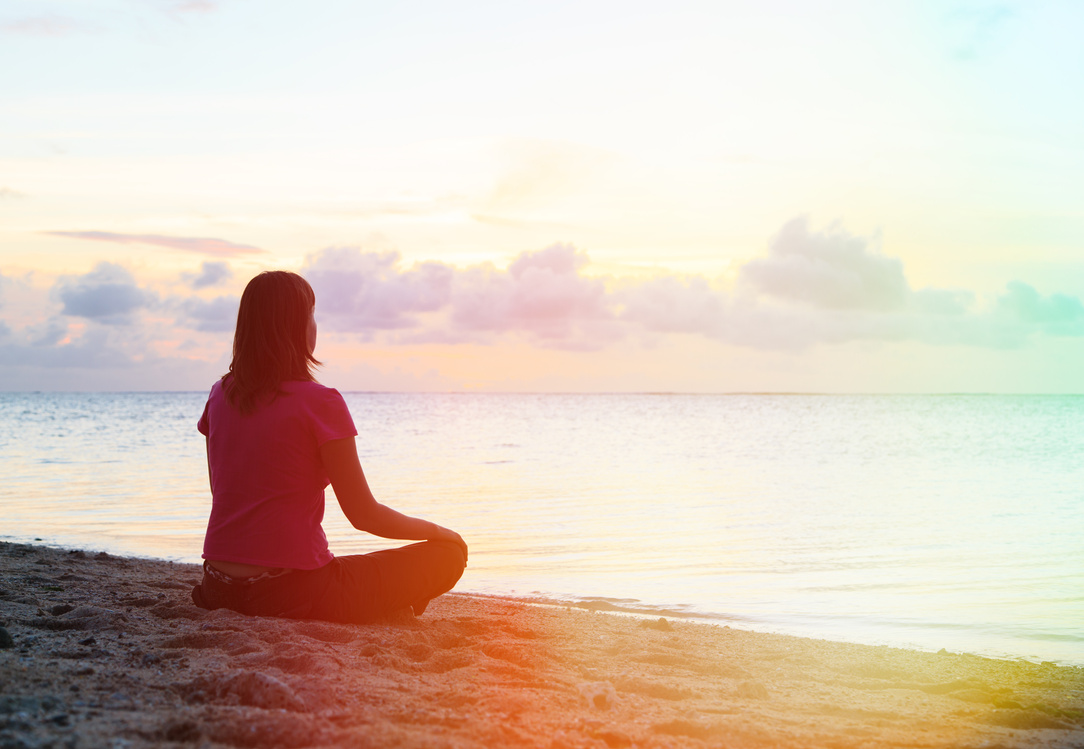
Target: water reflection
x: 877, y: 518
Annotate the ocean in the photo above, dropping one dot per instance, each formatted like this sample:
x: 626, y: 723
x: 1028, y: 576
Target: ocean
x: 921, y: 521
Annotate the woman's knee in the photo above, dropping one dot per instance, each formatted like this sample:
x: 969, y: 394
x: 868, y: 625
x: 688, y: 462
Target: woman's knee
x: 455, y: 553
x: 451, y: 557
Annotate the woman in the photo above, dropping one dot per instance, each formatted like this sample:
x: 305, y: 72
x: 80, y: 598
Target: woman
x: 275, y: 438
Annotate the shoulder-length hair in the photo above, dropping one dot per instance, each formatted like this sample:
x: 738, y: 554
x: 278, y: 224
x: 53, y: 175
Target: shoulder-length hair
x: 270, y: 343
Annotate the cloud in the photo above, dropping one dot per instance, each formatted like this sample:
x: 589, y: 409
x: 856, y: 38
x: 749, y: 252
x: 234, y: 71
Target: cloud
x: 6, y: 193
x: 1057, y: 314
x: 672, y: 304
x: 812, y: 288
x: 52, y: 25
x: 48, y: 333
x: 541, y: 294
x: 195, y: 6
x: 949, y: 302
x: 367, y: 291
x: 832, y: 269
x: 214, y: 315
x: 108, y: 294
x: 211, y: 273
x: 51, y: 347
x: 92, y: 322
x: 41, y: 26
x: 203, y: 245
x: 831, y: 287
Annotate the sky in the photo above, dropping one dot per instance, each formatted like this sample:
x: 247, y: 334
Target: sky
x: 562, y: 196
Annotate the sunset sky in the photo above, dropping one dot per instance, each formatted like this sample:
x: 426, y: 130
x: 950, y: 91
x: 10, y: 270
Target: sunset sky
x: 551, y: 196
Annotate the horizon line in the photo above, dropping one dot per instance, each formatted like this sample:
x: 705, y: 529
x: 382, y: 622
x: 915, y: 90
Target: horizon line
x: 581, y: 392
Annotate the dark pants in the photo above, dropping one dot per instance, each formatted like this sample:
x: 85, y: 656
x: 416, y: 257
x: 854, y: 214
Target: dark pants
x: 351, y: 589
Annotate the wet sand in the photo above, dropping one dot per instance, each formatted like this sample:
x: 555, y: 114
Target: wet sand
x: 110, y: 652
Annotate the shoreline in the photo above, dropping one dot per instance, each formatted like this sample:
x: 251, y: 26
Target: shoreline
x: 647, y: 610
x: 105, y: 648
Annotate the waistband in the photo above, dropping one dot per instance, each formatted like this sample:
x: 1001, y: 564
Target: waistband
x: 225, y: 579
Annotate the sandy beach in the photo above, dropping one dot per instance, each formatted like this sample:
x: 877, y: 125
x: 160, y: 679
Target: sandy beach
x: 104, y: 651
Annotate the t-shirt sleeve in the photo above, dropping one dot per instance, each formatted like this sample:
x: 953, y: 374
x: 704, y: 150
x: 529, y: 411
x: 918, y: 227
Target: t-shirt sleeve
x: 331, y: 419
x: 204, y: 425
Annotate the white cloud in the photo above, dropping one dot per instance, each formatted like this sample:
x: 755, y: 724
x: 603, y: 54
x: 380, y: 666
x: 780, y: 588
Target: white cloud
x: 952, y: 302
x: 812, y: 289
x: 202, y: 245
x: 831, y: 269
x: 41, y: 26
x: 94, y: 349
x: 541, y: 294
x: 211, y: 273
x: 831, y: 287
x: 107, y: 294
x: 1057, y: 314
x: 367, y: 291
x: 214, y: 315
x: 194, y: 6
x: 672, y: 304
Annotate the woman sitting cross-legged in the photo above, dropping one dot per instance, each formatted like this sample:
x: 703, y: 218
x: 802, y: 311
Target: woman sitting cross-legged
x: 275, y: 438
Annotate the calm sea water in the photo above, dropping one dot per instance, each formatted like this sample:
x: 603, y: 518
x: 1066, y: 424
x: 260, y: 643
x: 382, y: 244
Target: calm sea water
x: 934, y: 522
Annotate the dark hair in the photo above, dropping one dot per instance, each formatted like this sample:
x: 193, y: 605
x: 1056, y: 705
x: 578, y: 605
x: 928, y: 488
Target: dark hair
x: 270, y: 343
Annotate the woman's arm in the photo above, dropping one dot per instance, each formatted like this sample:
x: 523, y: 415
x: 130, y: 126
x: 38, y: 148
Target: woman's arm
x: 210, y: 478
x: 340, y: 458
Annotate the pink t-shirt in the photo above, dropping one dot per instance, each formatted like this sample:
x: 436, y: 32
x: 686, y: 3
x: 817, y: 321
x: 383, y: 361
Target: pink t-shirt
x: 267, y: 479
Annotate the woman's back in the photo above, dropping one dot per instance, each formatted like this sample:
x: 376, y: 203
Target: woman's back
x: 267, y: 478
x: 275, y: 438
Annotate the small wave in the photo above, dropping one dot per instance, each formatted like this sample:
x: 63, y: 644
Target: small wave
x: 630, y: 606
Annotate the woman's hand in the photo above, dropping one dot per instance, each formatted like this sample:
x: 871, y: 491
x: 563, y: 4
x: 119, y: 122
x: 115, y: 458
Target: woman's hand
x: 340, y: 459
x: 447, y: 534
